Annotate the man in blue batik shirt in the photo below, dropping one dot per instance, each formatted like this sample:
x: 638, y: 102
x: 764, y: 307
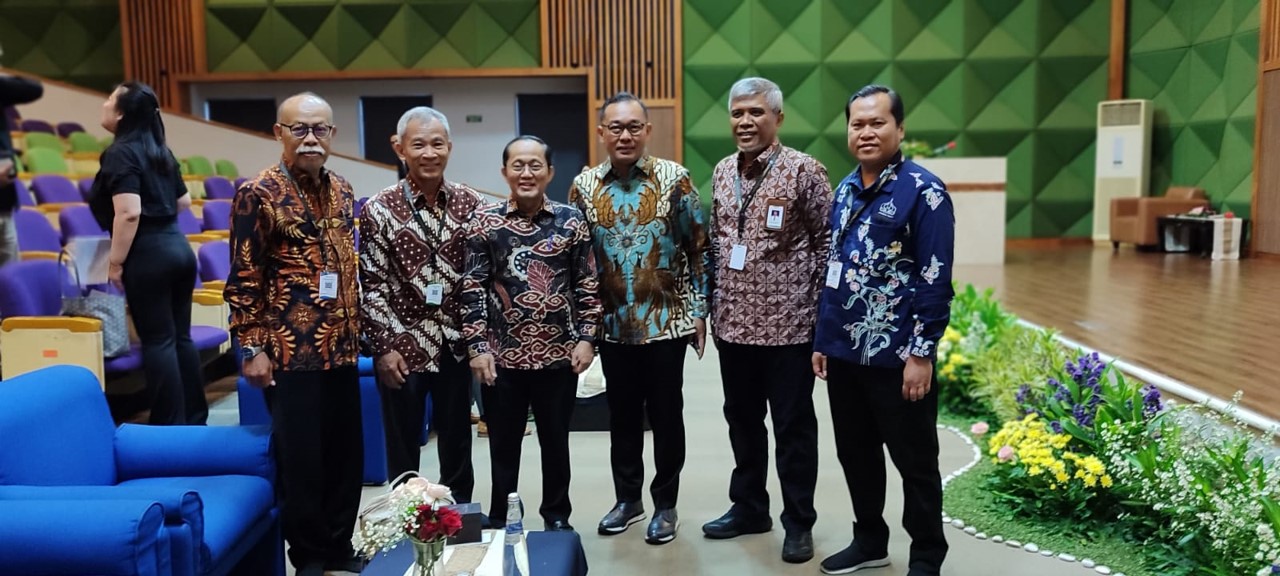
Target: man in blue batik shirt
x: 886, y: 304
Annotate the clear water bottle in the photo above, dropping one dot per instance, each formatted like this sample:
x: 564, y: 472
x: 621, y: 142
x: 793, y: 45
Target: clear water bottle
x: 514, y: 535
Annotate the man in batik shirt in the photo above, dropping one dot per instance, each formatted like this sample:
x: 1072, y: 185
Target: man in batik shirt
x: 885, y: 305
x: 412, y: 256
x: 530, y: 319
x: 294, y: 303
x: 646, y: 224
x: 769, y: 222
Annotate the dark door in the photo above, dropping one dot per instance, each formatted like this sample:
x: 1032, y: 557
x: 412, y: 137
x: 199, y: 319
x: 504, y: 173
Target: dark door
x: 561, y: 120
x: 252, y: 114
x: 378, y: 118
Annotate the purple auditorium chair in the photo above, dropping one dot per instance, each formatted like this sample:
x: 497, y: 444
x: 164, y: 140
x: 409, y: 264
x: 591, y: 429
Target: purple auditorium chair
x: 65, y: 129
x: 35, y: 233
x: 86, y: 187
x: 55, y: 189
x: 12, y: 117
x: 217, y: 215
x: 218, y: 188
x: 360, y: 202
x: 188, y: 223
x: 24, y: 195
x: 32, y: 125
x: 77, y: 221
x: 240, y: 181
x: 215, y: 261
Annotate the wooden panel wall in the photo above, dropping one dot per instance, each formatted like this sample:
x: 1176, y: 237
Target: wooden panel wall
x: 1266, y: 145
x: 632, y: 45
x: 162, y: 40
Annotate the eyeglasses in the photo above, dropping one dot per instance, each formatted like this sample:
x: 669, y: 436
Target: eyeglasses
x: 634, y: 128
x: 300, y: 131
x: 534, y: 168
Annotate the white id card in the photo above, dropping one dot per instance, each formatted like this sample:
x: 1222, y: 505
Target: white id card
x: 435, y: 294
x: 834, y: 268
x: 774, y: 215
x: 328, y: 285
x: 738, y: 257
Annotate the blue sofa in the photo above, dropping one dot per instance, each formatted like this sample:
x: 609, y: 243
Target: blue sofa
x: 214, y: 486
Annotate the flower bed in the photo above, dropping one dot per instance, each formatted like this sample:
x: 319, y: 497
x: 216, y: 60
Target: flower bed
x: 1092, y: 463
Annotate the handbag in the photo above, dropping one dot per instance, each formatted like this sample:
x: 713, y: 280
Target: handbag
x: 106, y: 307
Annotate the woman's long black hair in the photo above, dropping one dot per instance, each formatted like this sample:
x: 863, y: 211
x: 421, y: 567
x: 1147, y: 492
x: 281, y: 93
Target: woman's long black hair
x: 140, y: 124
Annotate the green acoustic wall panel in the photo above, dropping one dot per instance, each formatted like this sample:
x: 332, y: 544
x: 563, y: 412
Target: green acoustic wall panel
x: 318, y: 35
x: 1198, y: 61
x: 76, y: 41
x: 999, y: 77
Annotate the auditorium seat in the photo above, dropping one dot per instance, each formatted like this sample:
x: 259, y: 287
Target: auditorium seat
x: 65, y: 129
x: 33, y: 125
x: 76, y: 221
x: 55, y: 189
x: 43, y: 140
x: 45, y: 161
x: 199, y: 166
x: 37, y: 238
x: 82, y: 142
x: 227, y: 169
x: 218, y: 188
x: 217, y: 217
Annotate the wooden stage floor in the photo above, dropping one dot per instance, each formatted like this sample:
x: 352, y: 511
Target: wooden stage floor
x: 1213, y: 325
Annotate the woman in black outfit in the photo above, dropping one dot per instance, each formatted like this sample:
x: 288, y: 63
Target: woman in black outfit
x: 137, y: 196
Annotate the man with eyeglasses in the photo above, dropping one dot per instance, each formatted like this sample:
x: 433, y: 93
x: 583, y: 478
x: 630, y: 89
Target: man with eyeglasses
x: 412, y: 257
x: 531, y: 313
x: 294, y: 305
x: 13, y: 90
x: 646, y: 225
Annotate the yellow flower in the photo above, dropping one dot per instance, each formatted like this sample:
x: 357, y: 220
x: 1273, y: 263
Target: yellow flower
x: 959, y: 359
x: 1061, y: 477
x: 1034, y: 471
x: 1106, y: 480
x: 1090, y: 480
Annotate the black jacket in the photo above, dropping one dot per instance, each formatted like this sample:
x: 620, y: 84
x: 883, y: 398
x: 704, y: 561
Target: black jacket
x: 13, y: 90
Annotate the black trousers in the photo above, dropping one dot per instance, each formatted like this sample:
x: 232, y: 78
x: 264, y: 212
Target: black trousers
x: 646, y: 379
x: 867, y: 414
x: 159, y: 276
x: 402, y: 417
x: 779, y: 380
x: 317, y: 432
x: 551, y: 393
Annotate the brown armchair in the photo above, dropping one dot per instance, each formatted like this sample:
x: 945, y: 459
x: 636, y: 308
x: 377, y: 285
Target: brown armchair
x: 1133, y: 220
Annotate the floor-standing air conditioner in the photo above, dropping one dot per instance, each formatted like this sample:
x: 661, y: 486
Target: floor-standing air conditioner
x: 1123, y: 167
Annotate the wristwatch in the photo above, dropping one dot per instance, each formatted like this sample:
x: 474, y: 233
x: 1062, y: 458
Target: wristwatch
x: 248, y: 352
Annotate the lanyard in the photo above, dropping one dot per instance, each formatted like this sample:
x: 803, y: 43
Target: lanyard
x: 306, y: 207
x: 744, y: 203
x: 837, y: 238
x: 408, y: 198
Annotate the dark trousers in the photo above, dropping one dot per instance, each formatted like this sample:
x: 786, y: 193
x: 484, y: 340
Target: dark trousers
x: 646, y: 379
x: 402, y: 417
x: 867, y: 414
x: 551, y: 393
x: 317, y: 431
x: 779, y: 380
x: 159, y: 276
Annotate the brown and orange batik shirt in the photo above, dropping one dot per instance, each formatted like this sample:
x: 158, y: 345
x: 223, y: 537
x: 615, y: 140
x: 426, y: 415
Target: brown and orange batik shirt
x: 286, y: 231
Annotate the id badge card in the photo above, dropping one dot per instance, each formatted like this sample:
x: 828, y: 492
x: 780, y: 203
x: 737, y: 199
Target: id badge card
x: 775, y: 213
x: 738, y: 257
x: 435, y: 294
x: 328, y: 285
x: 834, y: 268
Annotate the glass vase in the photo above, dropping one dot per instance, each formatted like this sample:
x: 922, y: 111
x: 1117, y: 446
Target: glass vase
x: 426, y: 555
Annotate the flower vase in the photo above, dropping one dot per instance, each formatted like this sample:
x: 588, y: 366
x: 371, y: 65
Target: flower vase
x: 426, y: 555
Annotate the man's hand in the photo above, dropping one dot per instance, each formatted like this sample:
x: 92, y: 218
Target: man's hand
x: 699, y: 336
x: 917, y: 376
x: 484, y: 369
x: 392, y: 370
x: 6, y: 172
x: 820, y: 365
x: 583, y: 354
x: 258, y: 371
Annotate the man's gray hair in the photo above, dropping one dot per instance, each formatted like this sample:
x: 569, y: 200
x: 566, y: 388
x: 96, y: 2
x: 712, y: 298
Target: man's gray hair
x: 757, y: 86
x: 423, y: 114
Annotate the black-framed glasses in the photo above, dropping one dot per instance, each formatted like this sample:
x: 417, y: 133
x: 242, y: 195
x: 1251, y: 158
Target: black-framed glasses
x: 634, y: 128
x: 534, y: 168
x: 300, y: 131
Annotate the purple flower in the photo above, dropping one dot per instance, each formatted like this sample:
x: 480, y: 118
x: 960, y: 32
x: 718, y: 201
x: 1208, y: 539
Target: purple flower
x: 1023, y: 392
x: 1056, y: 426
x: 1152, y: 404
x: 1083, y: 417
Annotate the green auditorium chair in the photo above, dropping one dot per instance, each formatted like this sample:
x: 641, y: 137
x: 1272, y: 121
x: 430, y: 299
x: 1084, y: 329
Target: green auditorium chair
x: 199, y: 166
x: 227, y: 169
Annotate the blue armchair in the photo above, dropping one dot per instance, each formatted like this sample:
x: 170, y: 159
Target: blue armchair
x: 214, y: 485
x: 113, y: 538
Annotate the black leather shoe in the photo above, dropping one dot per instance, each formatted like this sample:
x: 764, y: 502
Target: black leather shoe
x: 797, y: 547
x: 620, y: 518
x: 852, y: 559
x: 559, y: 526
x: 353, y: 563
x: 662, y: 528
x: 731, y: 525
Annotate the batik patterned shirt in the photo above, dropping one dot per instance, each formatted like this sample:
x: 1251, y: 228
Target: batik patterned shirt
x: 285, y: 232
x: 894, y: 243
x: 651, y: 246
x: 773, y: 299
x: 529, y: 293
x: 401, y: 257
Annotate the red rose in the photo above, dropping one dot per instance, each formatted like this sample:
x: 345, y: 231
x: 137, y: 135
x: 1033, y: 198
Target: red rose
x: 450, y: 521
